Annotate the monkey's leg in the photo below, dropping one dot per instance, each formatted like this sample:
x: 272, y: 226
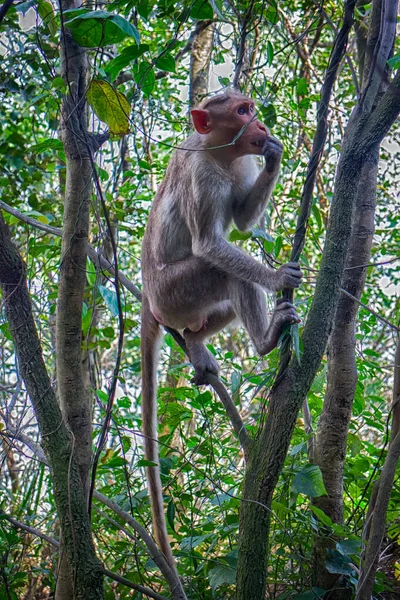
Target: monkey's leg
x: 202, y: 360
x: 248, y: 301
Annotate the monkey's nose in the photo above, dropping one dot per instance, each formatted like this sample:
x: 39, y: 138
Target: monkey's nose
x: 262, y: 127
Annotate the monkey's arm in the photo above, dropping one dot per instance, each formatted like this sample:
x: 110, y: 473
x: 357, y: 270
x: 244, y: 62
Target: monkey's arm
x: 228, y: 258
x: 248, y: 210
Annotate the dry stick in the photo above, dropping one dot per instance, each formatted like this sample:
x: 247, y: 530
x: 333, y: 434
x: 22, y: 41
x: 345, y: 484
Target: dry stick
x: 99, y: 260
x: 336, y: 56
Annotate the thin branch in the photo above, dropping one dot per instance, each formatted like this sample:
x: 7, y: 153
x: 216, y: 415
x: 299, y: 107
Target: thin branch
x: 114, y: 576
x: 371, y: 310
x: 32, y: 530
x: 231, y: 411
x: 96, y: 258
x: 335, y: 59
x: 133, y: 586
x: 99, y: 260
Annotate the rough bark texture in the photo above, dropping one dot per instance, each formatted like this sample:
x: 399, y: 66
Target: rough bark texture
x: 363, y: 136
x: 331, y: 438
x: 200, y: 58
x: 56, y: 440
x: 375, y: 519
x: 72, y: 391
x: 367, y: 575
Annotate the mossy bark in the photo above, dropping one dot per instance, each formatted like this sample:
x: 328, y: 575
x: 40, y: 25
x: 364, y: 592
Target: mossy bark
x: 57, y: 442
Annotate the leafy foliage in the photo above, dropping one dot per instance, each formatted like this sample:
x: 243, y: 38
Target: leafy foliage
x: 140, y: 74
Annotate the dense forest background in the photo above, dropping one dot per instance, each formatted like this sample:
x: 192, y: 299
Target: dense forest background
x: 94, y: 98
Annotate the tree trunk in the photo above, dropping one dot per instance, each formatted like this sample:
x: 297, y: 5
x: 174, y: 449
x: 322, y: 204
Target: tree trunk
x: 332, y: 431
x: 72, y: 391
x: 56, y: 439
x: 362, y: 139
x: 200, y: 59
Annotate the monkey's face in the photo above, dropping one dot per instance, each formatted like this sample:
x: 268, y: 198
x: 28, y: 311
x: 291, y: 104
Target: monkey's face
x: 232, y: 123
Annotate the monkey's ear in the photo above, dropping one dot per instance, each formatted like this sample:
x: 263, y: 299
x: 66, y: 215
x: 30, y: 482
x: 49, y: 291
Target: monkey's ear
x: 201, y: 120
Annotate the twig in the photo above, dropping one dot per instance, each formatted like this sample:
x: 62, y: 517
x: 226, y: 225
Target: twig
x: 99, y: 260
x: 371, y: 310
x: 231, y: 411
x: 118, y: 578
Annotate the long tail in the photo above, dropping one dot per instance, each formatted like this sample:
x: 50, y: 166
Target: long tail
x: 150, y: 344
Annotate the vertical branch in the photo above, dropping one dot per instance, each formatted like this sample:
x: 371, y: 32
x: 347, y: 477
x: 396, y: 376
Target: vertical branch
x: 200, y: 58
x: 335, y: 59
x: 73, y: 394
x: 376, y: 516
x: 87, y: 579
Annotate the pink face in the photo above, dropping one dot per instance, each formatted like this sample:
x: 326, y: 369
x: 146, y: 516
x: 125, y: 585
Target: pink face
x: 223, y: 122
x: 254, y: 133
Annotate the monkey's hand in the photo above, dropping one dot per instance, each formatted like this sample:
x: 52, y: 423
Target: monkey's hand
x: 287, y: 276
x: 272, y: 151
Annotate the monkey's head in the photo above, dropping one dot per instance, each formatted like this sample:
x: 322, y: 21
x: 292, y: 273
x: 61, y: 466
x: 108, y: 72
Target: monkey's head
x: 227, y: 115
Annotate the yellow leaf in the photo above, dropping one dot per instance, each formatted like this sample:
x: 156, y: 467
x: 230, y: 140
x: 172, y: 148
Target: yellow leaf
x: 110, y: 106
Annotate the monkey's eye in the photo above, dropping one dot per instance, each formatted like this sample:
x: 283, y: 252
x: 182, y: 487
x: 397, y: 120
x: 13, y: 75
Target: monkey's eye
x: 251, y: 108
x: 242, y: 110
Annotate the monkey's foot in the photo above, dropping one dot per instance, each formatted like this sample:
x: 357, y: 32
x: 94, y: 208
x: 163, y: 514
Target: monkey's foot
x: 204, y: 364
x: 284, y: 313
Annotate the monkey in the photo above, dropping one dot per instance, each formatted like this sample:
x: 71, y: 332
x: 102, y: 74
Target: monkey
x: 194, y: 280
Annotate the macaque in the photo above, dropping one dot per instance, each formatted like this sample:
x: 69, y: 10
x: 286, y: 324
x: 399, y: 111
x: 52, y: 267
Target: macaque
x: 194, y: 280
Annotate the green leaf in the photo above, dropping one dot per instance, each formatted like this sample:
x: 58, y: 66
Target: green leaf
x: 128, y: 55
x: 99, y: 28
x: 109, y: 105
x: 347, y: 547
x: 110, y: 298
x: 49, y: 144
x: 308, y: 481
x: 144, y: 8
x: 236, y: 379
x: 301, y: 87
x: 236, y: 235
x: 297, y: 341
x: 171, y: 515
x: 46, y: 13
x: 278, y: 245
x: 256, y: 232
x: 394, y: 62
x: 144, y: 76
x: 201, y: 9
x: 338, y: 564
x: 166, y: 62
x: 321, y: 516
x: 124, y: 402
x: 221, y: 575
x: 191, y: 542
x: 146, y: 463
x: 268, y: 113
x: 25, y: 6
x: 270, y: 53
x: 271, y: 14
